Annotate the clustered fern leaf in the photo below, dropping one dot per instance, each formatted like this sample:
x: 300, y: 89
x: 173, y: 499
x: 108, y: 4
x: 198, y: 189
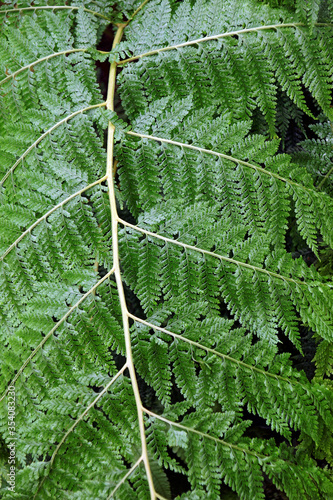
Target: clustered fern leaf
x: 146, y: 282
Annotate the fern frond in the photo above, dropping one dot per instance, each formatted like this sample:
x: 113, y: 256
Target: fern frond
x: 148, y: 272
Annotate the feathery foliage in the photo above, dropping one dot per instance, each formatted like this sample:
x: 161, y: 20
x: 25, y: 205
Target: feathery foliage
x: 147, y: 280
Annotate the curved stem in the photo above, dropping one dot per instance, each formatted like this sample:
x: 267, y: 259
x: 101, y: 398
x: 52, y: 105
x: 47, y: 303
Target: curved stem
x: 220, y: 155
x: 203, y: 434
x: 123, y: 479
x: 47, y: 214
x: 238, y: 263
x: 116, y: 263
x: 83, y: 414
x: 138, y: 10
x: 329, y: 173
x: 48, y: 132
x: 215, y: 37
x: 42, y: 59
x: 56, y: 326
x: 213, y: 351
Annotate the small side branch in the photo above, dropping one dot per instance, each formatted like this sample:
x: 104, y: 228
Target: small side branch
x: 45, y: 216
x: 127, y: 475
x: 83, y: 414
x: 137, y: 10
x: 246, y: 366
x: 327, y: 176
x: 56, y: 326
x: 216, y: 37
x: 42, y: 59
x: 202, y: 434
x: 237, y: 263
x: 48, y: 132
x: 220, y: 155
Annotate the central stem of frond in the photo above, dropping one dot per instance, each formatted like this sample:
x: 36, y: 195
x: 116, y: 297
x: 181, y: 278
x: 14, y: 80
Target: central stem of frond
x: 116, y: 264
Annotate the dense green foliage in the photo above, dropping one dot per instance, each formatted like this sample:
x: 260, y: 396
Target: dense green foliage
x: 145, y: 315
